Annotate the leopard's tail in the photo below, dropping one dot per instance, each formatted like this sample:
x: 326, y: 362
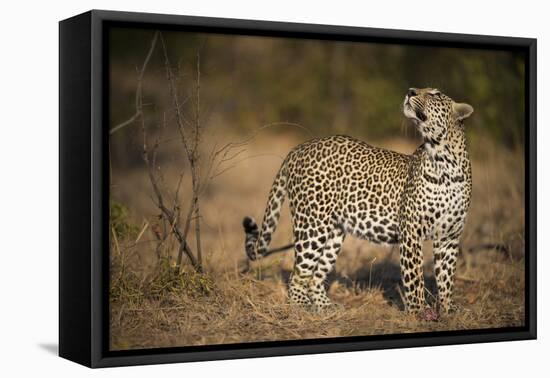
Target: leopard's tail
x: 257, y: 240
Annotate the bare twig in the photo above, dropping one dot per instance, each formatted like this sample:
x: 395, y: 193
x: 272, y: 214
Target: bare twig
x: 225, y: 153
x: 234, y: 165
x: 191, y: 147
x: 194, y: 168
x: 138, y: 95
x: 167, y: 213
x: 145, y: 225
x: 180, y: 119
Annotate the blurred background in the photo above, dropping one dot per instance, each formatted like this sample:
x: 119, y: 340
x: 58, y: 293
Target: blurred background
x: 266, y: 95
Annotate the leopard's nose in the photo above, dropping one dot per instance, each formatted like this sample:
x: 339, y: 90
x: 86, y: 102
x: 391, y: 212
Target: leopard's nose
x: 411, y: 92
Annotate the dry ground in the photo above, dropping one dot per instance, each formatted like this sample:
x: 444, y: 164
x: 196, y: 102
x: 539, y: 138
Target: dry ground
x: 153, y: 307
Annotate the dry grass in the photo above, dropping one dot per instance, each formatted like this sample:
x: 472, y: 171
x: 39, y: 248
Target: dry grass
x: 152, y: 306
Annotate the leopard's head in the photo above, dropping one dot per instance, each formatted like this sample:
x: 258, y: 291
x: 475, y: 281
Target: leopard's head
x: 433, y: 113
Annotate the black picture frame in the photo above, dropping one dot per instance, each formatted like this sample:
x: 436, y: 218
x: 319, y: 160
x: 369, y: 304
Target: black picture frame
x: 84, y: 192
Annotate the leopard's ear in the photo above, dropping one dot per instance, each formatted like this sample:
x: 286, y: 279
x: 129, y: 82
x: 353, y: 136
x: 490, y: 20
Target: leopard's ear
x: 462, y: 110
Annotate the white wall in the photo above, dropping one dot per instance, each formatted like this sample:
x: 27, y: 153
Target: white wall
x: 28, y: 185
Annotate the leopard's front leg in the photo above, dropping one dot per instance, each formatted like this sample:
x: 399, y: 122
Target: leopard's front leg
x: 411, y: 260
x: 445, y: 259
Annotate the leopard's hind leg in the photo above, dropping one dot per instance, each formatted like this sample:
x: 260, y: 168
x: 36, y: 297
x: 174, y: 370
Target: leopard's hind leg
x: 309, y: 242
x: 325, y: 265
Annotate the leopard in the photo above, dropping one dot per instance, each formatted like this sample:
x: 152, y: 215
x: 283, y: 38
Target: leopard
x: 338, y: 186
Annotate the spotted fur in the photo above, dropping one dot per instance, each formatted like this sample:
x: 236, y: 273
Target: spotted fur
x: 339, y: 185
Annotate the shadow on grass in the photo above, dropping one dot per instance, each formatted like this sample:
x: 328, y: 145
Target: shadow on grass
x: 385, y: 275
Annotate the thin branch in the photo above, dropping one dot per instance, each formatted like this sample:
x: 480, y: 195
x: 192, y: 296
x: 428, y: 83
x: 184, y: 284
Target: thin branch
x: 191, y: 148
x: 138, y: 96
x: 222, y: 155
x: 196, y: 159
x: 167, y: 213
x: 224, y: 170
x: 180, y: 119
x: 178, y: 188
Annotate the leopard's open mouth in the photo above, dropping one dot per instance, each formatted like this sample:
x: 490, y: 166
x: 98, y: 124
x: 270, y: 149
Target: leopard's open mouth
x: 411, y: 112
